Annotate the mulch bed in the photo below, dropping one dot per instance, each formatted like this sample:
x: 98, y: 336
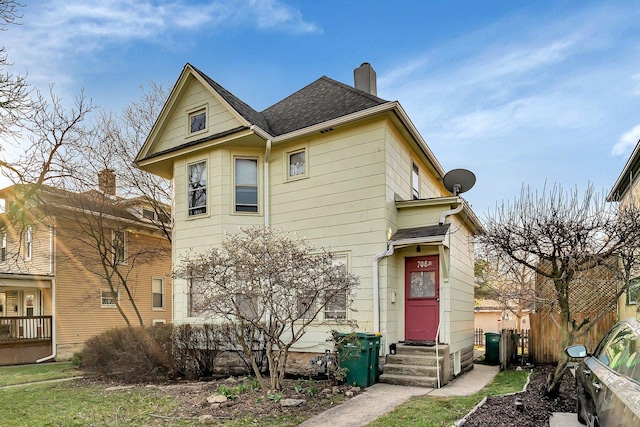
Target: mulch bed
x: 536, y: 407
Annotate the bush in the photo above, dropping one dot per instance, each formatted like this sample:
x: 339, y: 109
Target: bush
x: 76, y: 360
x: 130, y: 354
x: 195, y: 349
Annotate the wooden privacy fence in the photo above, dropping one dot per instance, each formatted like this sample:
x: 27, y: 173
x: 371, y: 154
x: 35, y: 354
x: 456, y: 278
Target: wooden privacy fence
x: 544, y: 342
x: 478, y: 337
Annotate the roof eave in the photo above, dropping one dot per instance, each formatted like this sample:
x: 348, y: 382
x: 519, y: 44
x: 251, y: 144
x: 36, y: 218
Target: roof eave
x: 615, y: 195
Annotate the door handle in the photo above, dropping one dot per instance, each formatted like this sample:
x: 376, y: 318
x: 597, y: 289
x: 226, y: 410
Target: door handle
x: 597, y: 386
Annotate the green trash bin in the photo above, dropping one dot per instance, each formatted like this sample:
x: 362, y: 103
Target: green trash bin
x: 359, y: 355
x: 492, y: 348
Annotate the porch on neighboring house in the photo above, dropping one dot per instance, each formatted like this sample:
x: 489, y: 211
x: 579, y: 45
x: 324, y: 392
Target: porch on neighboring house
x: 24, y: 339
x: 26, y: 321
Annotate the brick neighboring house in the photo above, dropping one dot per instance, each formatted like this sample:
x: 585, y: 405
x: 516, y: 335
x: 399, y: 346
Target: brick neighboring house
x: 347, y: 170
x: 57, y: 248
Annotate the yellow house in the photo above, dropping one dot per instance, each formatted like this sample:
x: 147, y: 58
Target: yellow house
x: 343, y: 168
x: 627, y: 190
x: 65, y: 259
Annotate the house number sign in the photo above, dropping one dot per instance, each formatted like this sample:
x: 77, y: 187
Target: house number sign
x: 424, y: 264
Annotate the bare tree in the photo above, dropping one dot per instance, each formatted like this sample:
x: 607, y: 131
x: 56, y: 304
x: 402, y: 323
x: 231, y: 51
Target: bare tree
x: 119, y: 138
x: 511, y: 284
x: 560, y: 236
x: 263, y: 281
x: 14, y: 90
x: 56, y: 137
x: 106, y: 235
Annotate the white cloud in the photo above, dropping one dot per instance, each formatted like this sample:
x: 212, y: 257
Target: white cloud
x: 56, y: 36
x: 626, y: 142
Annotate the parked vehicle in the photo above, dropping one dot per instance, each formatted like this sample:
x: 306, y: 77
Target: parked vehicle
x: 608, y: 381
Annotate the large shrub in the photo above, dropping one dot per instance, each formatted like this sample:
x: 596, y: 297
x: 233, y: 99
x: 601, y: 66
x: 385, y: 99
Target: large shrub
x: 131, y: 354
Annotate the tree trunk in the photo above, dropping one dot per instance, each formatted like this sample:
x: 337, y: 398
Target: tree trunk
x: 566, y: 339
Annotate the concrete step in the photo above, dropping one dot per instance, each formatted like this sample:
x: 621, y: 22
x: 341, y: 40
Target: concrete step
x: 411, y: 370
x: 414, y: 359
x: 416, y: 381
x: 416, y: 349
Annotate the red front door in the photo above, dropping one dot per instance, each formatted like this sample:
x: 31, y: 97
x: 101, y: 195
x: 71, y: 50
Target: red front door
x: 422, y: 295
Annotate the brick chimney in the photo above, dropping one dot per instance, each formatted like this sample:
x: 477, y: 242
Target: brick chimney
x: 107, y: 181
x: 365, y: 79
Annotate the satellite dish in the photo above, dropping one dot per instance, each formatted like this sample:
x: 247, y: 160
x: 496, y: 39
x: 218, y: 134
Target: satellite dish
x: 459, y: 180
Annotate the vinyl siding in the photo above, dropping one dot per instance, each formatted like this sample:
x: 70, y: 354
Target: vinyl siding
x: 40, y: 262
x: 219, y: 119
x: 79, y: 314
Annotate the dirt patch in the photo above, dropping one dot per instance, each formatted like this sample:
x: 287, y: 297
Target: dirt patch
x: 536, y: 406
x: 237, y: 398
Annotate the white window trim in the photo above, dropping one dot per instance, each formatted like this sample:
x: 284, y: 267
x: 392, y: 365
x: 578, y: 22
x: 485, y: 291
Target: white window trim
x: 3, y: 246
x: 633, y: 286
x: 158, y: 322
x: 193, y: 111
x: 287, y: 165
x: 28, y: 244
x: 206, y: 204
x: 164, y: 295
x: 102, y: 305
x: 258, y: 184
x: 415, y: 184
x: 338, y: 256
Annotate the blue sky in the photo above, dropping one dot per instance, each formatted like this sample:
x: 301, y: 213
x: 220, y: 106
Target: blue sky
x: 518, y: 92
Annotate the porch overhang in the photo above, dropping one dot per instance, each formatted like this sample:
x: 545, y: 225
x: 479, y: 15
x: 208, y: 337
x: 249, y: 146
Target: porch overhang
x: 8, y: 280
x: 430, y: 234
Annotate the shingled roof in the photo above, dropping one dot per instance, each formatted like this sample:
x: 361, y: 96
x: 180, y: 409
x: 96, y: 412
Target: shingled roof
x: 321, y: 101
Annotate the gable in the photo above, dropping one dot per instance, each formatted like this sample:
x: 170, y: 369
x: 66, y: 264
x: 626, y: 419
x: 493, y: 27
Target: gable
x: 191, y: 94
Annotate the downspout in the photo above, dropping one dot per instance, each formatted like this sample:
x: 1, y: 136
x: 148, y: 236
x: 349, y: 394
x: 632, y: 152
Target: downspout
x: 54, y: 348
x: 376, y: 286
x: 267, y: 153
x: 453, y: 211
x: 443, y: 217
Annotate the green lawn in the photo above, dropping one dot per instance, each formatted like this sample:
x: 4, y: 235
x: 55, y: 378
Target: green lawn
x: 22, y: 374
x: 81, y: 403
x: 435, y: 411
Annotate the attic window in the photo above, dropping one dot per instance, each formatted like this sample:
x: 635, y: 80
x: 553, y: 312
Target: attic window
x: 198, y: 121
x: 149, y: 214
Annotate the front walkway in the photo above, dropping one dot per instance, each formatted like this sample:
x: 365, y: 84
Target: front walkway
x: 380, y: 398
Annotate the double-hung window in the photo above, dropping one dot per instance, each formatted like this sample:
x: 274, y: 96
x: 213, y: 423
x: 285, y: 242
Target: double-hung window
x: 633, y: 291
x: 3, y: 246
x: 246, y: 185
x: 119, y: 246
x: 336, y: 307
x: 28, y: 243
x: 157, y: 293
x: 197, y: 188
x: 415, y: 182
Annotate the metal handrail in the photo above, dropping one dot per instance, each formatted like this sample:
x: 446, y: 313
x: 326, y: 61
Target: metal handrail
x: 438, y: 354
